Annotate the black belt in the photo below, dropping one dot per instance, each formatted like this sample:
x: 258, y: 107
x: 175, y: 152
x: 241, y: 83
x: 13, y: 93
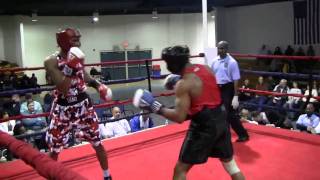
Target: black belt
x: 72, y: 100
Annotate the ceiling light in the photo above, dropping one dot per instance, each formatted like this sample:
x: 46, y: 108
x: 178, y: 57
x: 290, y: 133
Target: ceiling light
x: 213, y: 12
x: 34, y: 17
x: 155, y: 14
x: 95, y: 17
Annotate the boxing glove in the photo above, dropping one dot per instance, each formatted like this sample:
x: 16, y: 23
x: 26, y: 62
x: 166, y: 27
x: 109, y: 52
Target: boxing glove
x: 75, y: 59
x: 105, y: 92
x: 171, y: 80
x: 143, y: 99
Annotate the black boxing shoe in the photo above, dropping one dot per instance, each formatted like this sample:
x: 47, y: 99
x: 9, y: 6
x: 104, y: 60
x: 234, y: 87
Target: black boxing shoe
x: 243, y: 139
x: 108, y: 178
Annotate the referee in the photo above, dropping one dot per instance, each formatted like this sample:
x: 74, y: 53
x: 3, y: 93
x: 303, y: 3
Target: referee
x: 227, y: 73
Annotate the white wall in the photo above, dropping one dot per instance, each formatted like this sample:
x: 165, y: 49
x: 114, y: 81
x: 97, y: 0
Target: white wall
x: 248, y: 27
x: 142, y: 30
x: 10, y: 42
x: 2, y: 56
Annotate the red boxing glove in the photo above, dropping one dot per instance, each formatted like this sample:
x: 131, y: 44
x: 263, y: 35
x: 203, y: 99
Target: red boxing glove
x: 75, y: 61
x: 105, y: 92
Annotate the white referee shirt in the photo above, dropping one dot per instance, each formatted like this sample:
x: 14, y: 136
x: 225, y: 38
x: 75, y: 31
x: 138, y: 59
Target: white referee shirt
x: 226, y: 70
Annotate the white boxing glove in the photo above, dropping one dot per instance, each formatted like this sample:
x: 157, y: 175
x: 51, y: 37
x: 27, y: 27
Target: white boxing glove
x: 171, y: 80
x: 75, y: 60
x: 235, y: 102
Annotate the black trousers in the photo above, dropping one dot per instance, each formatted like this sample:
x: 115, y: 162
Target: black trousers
x: 233, y: 117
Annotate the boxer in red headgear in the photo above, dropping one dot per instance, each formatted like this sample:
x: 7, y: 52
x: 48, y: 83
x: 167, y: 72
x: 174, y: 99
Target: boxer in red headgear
x: 68, y: 38
x: 72, y: 107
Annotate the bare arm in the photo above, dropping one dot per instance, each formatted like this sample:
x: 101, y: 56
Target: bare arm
x: 56, y: 76
x: 90, y: 80
x: 182, y: 103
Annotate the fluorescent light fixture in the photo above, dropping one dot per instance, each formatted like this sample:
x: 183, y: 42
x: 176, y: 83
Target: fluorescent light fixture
x: 95, y: 17
x: 34, y: 17
x: 155, y: 14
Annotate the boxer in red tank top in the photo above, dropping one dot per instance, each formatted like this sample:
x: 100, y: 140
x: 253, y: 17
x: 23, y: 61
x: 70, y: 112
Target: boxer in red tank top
x: 198, y: 98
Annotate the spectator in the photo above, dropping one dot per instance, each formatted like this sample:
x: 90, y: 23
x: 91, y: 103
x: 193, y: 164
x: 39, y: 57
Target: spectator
x: 24, y: 107
x: 116, y: 128
x: 289, y: 64
x: 276, y: 64
x: 293, y: 102
x: 260, y: 99
x: 309, y: 120
x: 140, y: 122
x: 310, y: 51
x: 245, y: 96
x: 13, y: 106
x: 314, y: 93
x: 279, y: 101
x: 260, y: 118
x: 7, y: 126
x: 300, y: 65
x: 34, y: 81
x: 25, y: 82
x: 33, y: 125
x: 47, y: 101
x: 271, y: 83
x: 263, y: 61
x: 289, y: 51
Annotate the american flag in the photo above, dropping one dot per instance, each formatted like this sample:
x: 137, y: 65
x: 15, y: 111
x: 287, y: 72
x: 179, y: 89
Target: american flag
x: 306, y: 22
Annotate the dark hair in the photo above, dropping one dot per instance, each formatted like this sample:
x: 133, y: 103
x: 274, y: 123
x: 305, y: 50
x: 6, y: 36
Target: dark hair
x: 176, y: 57
x: 28, y: 96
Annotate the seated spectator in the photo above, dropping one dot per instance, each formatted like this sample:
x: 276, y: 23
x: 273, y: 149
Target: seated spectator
x: 279, y: 101
x: 275, y: 117
x: 13, y: 106
x: 245, y: 116
x: 245, y: 96
x: 116, y: 128
x: 260, y: 99
x: 271, y: 83
x: 140, y: 122
x: 7, y: 126
x: 293, y: 102
x: 260, y: 118
x: 314, y: 92
x: 24, y: 107
x: 309, y: 120
x: 34, y: 81
x: 33, y: 125
x: 47, y: 101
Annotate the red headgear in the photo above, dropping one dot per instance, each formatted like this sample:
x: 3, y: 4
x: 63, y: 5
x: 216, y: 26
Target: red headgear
x: 64, y: 37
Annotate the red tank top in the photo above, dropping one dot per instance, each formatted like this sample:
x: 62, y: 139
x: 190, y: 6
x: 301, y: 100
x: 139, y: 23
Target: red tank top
x: 210, y: 95
x: 78, y: 84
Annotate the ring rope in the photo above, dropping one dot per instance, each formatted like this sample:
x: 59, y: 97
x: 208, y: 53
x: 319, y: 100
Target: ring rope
x: 44, y: 165
x: 280, y: 74
x: 308, y: 58
x: 15, y: 69
x: 104, y: 105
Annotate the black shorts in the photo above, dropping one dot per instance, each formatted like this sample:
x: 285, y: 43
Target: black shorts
x: 208, y: 136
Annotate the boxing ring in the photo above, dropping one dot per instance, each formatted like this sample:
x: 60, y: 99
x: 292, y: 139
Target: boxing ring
x: 271, y: 153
